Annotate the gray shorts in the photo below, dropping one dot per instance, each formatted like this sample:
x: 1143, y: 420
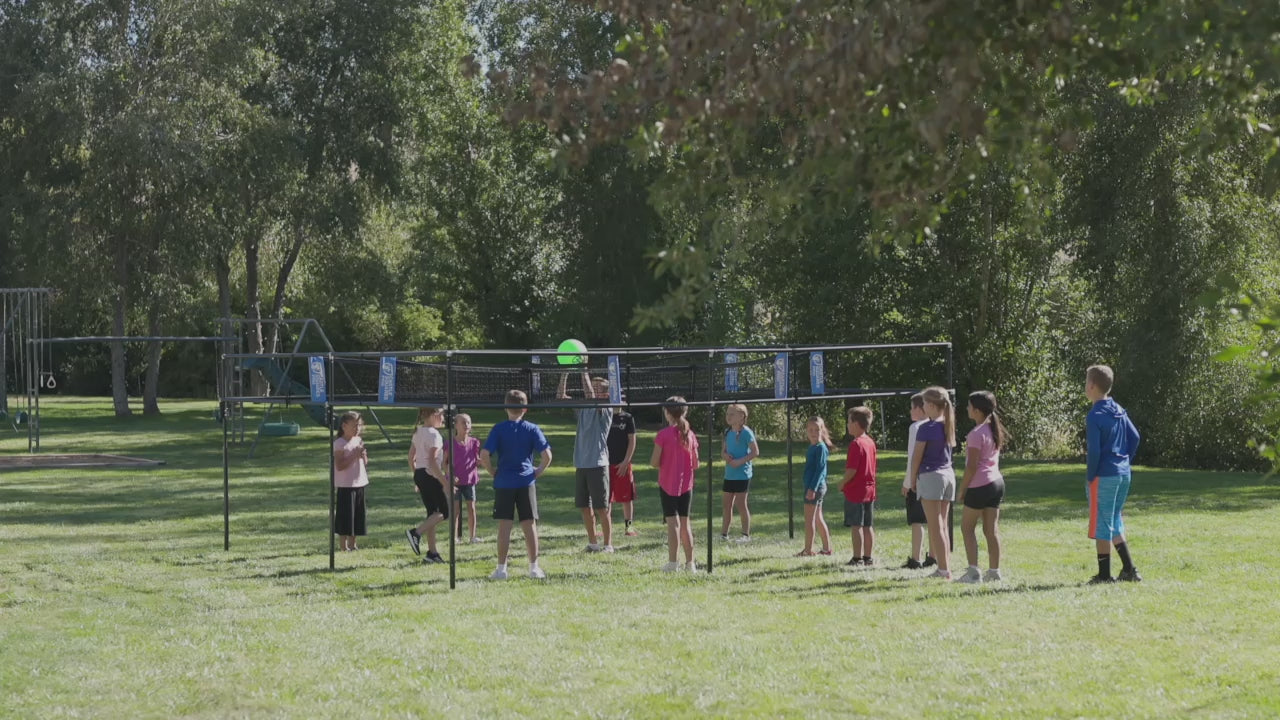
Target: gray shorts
x: 592, y: 488
x: 939, y: 485
x: 859, y: 514
x: 818, y: 496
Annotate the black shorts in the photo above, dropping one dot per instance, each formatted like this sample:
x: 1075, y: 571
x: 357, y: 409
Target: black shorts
x: 464, y: 492
x: 915, y: 510
x: 859, y: 514
x: 986, y: 497
x: 348, y: 518
x: 736, y: 486
x: 431, y: 492
x: 675, y: 505
x: 508, y: 503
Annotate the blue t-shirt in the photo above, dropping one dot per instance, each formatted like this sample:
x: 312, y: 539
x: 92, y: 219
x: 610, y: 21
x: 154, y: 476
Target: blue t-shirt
x: 738, y: 444
x: 937, y: 454
x: 515, y: 442
x: 815, y: 467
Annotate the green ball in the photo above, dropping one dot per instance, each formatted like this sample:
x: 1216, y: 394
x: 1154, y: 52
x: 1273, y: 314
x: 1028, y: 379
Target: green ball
x: 568, y: 353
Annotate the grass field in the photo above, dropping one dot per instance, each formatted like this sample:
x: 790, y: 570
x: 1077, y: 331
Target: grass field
x: 117, y: 599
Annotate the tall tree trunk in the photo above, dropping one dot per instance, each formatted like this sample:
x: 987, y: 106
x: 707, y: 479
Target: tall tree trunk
x: 119, y: 363
x: 222, y: 269
x: 282, y: 280
x: 254, y: 308
x: 151, y: 386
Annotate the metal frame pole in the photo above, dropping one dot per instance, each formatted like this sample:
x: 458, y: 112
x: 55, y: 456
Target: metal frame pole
x: 333, y: 468
x: 226, y: 478
x: 711, y: 458
x: 448, y: 471
x: 791, y: 498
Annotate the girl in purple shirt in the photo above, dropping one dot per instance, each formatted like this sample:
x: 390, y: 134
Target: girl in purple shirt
x: 982, y: 489
x: 464, y: 460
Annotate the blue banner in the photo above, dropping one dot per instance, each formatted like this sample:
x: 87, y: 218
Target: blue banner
x: 387, y: 381
x: 731, y: 372
x: 319, y: 383
x: 537, y: 376
x: 780, y: 384
x: 615, y: 381
x: 817, y: 379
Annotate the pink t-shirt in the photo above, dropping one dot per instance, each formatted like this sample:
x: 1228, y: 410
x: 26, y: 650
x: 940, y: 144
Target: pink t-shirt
x: 466, y: 456
x: 988, y: 471
x: 355, y: 475
x: 678, y: 463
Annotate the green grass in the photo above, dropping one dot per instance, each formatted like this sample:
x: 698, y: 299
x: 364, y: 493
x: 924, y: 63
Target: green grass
x: 117, y: 600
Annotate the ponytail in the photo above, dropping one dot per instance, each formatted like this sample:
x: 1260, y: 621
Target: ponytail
x: 985, y: 402
x: 824, y: 435
x: 678, y: 411
x: 939, y: 397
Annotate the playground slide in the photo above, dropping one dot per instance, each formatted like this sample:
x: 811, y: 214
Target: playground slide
x: 281, y: 380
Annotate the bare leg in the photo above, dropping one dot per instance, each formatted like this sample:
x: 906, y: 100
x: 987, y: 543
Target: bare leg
x: 857, y: 541
x: 809, y: 527
x: 606, y: 524
x: 823, y: 531
x: 868, y: 540
x: 991, y: 529
x: 740, y: 499
x: 530, y: 529
x: 917, y: 538
x: 629, y: 511
x: 431, y: 523
x: 968, y: 528
x: 471, y: 518
x: 936, y: 511
x: 728, y: 513
x: 457, y: 518
x: 504, y: 540
x: 589, y: 522
x: 686, y: 539
x: 673, y: 537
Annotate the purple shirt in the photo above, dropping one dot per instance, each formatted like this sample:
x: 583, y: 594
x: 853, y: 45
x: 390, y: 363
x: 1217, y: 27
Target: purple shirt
x: 466, y: 456
x: 937, y: 455
x: 981, y: 440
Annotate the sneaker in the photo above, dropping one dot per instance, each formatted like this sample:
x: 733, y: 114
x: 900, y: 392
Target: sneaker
x: 537, y: 573
x: 691, y: 567
x: 854, y: 561
x: 993, y: 575
x: 415, y: 541
x: 499, y: 574
x: 606, y: 549
x: 475, y: 540
x: 594, y: 547
x: 1130, y: 575
x: 928, y: 561
x: 868, y: 561
x: 631, y: 532
x: 941, y: 574
x: 972, y: 576
x: 1101, y: 580
x: 433, y: 557
x: 724, y: 538
x: 911, y: 564
x: 671, y: 567
x: 743, y: 539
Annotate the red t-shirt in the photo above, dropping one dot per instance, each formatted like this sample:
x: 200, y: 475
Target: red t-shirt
x: 861, y: 487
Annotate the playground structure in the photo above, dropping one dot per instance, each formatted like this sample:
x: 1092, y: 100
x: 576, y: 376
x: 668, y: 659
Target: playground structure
x: 459, y: 380
x: 24, y: 323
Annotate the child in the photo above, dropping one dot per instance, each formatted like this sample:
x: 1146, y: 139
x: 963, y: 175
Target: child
x: 465, y: 459
x: 860, y: 485
x: 426, y: 451
x: 1113, y: 441
x: 740, y: 449
x: 915, y: 510
x: 622, y: 481
x: 515, y: 441
x: 982, y: 488
x: 675, y: 454
x: 815, y: 486
x: 591, y: 462
x: 932, y: 477
x: 350, y: 476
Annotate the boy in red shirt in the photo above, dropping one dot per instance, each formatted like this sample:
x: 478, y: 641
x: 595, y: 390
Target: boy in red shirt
x: 860, y: 485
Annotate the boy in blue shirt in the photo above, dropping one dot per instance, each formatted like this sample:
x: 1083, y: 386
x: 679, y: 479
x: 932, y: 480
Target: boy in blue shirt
x: 1112, y: 443
x: 515, y: 442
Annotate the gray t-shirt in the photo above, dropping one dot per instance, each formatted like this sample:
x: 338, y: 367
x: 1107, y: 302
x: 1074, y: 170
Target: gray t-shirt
x: 591, y: 448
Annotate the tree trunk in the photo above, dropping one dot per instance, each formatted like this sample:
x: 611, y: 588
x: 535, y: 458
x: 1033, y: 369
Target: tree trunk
x: 254, y: 308
x: 119, y: 363
x: 151, y: 386
x: 282, y: 281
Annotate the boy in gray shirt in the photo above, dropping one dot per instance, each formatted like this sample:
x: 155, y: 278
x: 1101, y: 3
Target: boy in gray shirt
x: 591, y: 462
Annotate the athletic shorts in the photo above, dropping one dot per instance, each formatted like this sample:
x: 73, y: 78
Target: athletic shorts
x: 464, y: 492
x: 622, y: 484
x: 510, y: 503
x: 431, y: 492
x: 940, y: 485
x: 985, y: 497
x: 859, y: 514
x: 915, y: 510
x: 675, y: 505
x: 1106, y: 501
x: 736, y: 486
x: 348, y: 518
x: 818, y: 495
x: 593, y: 488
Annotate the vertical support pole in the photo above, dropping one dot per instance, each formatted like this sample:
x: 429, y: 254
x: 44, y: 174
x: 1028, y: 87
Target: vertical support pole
x: 333, y: 468
x: 791, y: 498
x: 951, y: 379
x: 448, y: 471
x: 711, y: 458
x: 224, y: 410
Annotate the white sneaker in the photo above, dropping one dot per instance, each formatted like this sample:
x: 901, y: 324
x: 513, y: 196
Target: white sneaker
x: 537, y: 573
x: 743, y: 539
x: 499, y: 574
x: 691, y: 567
x: 593, y: 547
x: 724, y: 538
x: 972, y: 576
x: 671, y: 567
x: 993, y: 575
x: 475, y: 540
x: 606, y: 549
x: 940, y: 574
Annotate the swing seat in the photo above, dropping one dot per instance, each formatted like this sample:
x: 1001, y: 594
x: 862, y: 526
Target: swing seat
x: 279, y: 429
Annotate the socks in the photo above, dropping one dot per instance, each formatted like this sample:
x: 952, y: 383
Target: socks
x: 1122, y: 549
x: 1104, y: 565
x: 502, y: 566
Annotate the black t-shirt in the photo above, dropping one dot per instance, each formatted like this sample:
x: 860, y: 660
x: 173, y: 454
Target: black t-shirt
x: 623, y: 426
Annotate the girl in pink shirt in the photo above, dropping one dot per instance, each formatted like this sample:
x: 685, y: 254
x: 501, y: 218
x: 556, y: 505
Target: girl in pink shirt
x: 982, y: 489
x: 675, y: 454
x: 350, y: 478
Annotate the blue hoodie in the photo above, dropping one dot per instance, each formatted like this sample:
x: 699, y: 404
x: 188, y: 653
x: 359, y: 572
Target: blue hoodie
x: 1112, y: 438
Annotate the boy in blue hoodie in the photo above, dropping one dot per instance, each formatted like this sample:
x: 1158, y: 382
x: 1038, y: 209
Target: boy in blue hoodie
x: 1112, y: 441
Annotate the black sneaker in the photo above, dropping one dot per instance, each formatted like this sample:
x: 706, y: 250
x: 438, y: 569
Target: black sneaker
x: 868, y: 561
x: 415, y: 541
x: 1101, y: 580
x: 433, y: 557
x: 928, y: 561
x: 911, y: 564
x: 854, y: 562
x: 1130, y: 575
